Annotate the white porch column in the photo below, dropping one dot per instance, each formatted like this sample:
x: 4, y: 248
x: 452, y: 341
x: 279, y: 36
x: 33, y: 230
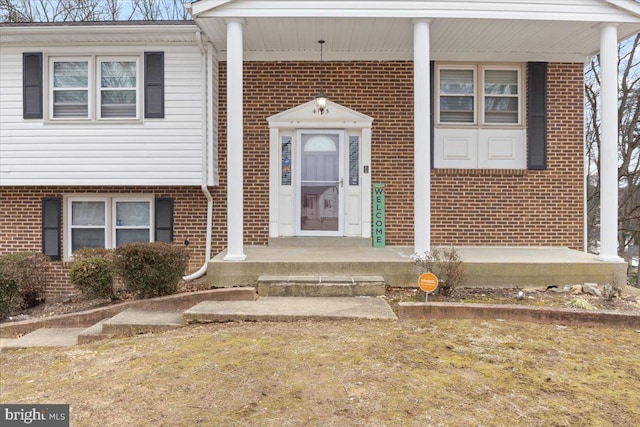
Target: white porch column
x: 235, y: 210
x: 422, y: 137
x: 609, y: 143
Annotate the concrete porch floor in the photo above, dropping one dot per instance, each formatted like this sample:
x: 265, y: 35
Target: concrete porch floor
x: 486, y: 265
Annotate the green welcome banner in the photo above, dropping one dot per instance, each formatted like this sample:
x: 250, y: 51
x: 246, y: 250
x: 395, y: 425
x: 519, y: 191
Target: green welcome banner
x: 378, y: 216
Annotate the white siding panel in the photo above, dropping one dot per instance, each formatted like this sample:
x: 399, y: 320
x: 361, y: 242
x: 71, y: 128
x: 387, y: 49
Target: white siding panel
x: 146, y: 152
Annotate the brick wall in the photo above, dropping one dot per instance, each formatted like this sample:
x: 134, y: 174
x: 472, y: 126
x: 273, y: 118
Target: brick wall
x: 20, y: 221
x: 535, y: 208
x: 531, y: 208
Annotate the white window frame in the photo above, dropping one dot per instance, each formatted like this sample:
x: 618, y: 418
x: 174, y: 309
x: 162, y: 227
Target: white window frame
x: 473, y: 68
x: 480, y: 145
x: 479, y: 94
x: 114, y: 224
x: 94, y: 112
x: 520, y: 95
x: 52, y: 89
x: 99, y: 89
x: 110, y: 201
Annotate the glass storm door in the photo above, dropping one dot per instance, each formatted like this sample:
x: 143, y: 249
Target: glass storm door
x: 320, y: 208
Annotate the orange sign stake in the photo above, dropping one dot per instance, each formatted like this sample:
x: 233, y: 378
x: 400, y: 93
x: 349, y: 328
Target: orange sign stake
x: 428, y: 282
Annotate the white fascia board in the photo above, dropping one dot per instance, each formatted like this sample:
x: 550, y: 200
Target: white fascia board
x: 629, y: 6
x: 197, y: 7
x: 94, y: 33
x: 560, y: 11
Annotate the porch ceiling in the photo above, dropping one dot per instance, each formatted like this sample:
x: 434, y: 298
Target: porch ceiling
x: 287, y: 38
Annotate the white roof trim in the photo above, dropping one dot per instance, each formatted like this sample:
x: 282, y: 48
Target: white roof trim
x: 622, y: 11
x: 90, y: 34
x: 338, y: 116
x: 626, y: 5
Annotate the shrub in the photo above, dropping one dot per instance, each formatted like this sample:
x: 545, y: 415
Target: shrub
x: 447, y: 265
x: 150, y: 269
x: 10, y: 299
x: 30, y: 269
x: 92, y: 273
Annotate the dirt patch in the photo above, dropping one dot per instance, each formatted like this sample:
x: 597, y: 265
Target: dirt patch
x: 431, y: 373
x: 628, y: 300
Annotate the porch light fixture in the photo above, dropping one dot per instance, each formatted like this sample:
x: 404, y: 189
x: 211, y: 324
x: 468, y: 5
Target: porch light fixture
x: 321, y: 98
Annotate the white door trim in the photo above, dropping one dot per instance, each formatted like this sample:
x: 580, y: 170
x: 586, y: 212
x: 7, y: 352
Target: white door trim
x: 281, y: 196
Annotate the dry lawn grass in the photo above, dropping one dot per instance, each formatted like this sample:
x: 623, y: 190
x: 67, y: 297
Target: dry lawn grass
x: 350, y: 373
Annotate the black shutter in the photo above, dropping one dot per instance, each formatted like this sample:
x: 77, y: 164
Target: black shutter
x: 154, y: 85
x: 537, y: 116
x: 164, y: 220
x: 32, y: 85
x: 432, y: 115
x: 51, y: 225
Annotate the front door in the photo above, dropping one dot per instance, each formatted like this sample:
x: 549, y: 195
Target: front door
x: 319, y: 201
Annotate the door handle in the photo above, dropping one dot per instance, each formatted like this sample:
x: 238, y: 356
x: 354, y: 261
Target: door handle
x: 341, y: 182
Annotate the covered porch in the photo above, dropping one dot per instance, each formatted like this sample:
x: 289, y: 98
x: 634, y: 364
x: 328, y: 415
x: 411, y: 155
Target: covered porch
x: 514, y: 36
x: 509, y: 267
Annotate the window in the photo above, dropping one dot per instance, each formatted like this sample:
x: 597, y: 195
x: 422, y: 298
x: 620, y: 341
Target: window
x: 70, y: 88
x: 74, y: 82
x: 132, y: 221
x: 114, y: 80
x: 118, y: 89
x: 457, y: 96
x: 478, y: 119
x: 107, y: 222
x: 495, y: 98
x: 354, y: 160
x: 501, y: 103
x: 88, y: 224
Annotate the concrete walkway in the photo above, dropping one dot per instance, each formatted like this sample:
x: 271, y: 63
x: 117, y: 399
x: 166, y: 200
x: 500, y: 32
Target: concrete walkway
x: 276, y: 309
x: 44, y: 337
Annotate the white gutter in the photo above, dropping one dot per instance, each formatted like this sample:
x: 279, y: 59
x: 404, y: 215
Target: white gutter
x: 205, y: 157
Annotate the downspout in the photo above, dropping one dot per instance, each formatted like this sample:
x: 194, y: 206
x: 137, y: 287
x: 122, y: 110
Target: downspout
x: 205, y: 156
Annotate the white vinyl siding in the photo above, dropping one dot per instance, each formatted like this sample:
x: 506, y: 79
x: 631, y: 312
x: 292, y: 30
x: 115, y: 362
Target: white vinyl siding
x: 164, y: 151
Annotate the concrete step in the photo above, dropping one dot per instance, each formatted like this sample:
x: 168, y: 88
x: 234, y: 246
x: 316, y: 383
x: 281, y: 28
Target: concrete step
x: 133, y: 322
x: 93, y: 333
x: 320, y: 286
x: 282, y: 309
x: 45, y: 337
x: 319, y: 242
